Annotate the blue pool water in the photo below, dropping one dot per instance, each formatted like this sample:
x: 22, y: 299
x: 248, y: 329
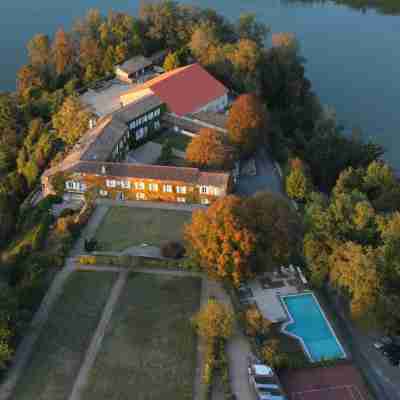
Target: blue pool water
x: 312, y: 327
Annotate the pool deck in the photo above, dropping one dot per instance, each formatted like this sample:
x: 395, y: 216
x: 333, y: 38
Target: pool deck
x: 269, y: 302
x: 299, y: 338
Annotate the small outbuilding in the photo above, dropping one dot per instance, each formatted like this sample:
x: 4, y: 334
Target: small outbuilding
x: 133, y: 69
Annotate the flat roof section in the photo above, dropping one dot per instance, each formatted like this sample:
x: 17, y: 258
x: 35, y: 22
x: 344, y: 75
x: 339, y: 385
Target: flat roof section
x: 105, y: 100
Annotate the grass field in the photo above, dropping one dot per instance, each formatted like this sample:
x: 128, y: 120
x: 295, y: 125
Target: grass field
x: 124, y: 227
x: 177, y: 140
x: 149, y: 351
x: 61, y: 347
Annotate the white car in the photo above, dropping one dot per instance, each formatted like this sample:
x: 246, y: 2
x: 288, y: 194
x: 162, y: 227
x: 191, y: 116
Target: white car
x: 264, y: 382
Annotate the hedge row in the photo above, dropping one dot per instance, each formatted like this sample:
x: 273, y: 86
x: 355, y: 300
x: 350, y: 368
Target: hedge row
x: 129, y: 262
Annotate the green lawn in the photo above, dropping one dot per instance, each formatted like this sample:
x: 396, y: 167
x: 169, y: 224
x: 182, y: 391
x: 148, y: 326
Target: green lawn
x: 177, y: 140
x: 61, y: 347
x: 149, y: 351
x: 124, y: 227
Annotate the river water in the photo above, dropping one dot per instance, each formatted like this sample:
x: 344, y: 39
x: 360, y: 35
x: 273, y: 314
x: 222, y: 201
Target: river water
x: 353, y: 57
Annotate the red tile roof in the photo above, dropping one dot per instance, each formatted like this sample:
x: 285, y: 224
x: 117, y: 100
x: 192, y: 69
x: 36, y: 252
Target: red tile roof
x: 186, y: 89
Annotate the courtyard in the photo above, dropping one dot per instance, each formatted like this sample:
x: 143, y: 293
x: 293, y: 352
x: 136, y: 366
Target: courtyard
x: 124, y: 227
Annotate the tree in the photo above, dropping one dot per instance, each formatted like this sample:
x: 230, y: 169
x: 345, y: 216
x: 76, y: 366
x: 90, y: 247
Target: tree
x: 256, y: 324
x: 7, y: 217
x: 286, y: 41
x: 317, y: 252
x: 39, y: 51
x: 172, y: 62
x: 71, y: 121
x: 63, y: 52
x: 166, y: 153
x: 379, y: 178
x: 235, y: 238
x: 354, y: 270
x: 245, y: 59
x: 202, y: 41
x: 247, y: 124
x: 210, y: 150
x: 276, y: 227
x: 298, y: 184
x: 220, y: 242
x: 214, y: 321
x: 90, y: 53
x: 249, y: 28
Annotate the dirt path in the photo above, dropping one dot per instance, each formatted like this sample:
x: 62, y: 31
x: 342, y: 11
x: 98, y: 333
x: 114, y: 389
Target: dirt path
x: 97, y: 338
x: 27, y: 345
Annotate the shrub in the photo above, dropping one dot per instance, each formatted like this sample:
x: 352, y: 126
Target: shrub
x: 66, y: 212
x: 90, y: 245
x: 273, y: 356
x: 173, y: 250
x: 214, y: 321
x: 255, y: 323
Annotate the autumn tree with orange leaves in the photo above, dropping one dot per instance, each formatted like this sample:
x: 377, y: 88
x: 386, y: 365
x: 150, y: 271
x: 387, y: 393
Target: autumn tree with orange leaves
x: 247, y: 124
x: 218, y: 240
x: 236, y: 238
x: 210, y: 150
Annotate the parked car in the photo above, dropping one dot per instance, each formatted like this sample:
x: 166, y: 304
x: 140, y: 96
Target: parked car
x: 390, y: 349
x: 264, y: 381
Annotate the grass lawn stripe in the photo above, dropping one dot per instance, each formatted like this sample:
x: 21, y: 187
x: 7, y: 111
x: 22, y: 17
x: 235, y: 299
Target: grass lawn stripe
x: 61, y: 347
x: 149, y: 351
x: 124, y: 227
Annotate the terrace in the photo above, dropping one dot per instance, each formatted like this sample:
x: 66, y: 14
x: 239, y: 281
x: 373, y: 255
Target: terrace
x: 266, y: 291
x: 105, y: 98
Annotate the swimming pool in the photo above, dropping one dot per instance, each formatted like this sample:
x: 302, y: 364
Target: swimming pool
x: 309, y: 324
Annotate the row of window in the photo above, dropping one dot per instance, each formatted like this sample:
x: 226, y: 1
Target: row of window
x: 152, y: 187
x: 142, y: 196
x: 75, y: 185
x: 144, y: 119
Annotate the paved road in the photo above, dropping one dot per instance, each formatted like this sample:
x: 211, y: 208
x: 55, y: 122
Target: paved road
x: 384, y: 378
x: 267, y: 178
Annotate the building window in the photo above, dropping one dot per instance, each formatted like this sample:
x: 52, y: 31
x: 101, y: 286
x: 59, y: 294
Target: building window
x: 204, y: 189
x: 125, y: 184
x: 139, y: 134
x: 103, y: 193
x: 75, y: 185
x: 157, y: 125
x: 181, y: 189
x: 140, y: 196
x: 153, y: 187
x: 111, y: 183
x: 157, y: 112
x: 139, y: 185
x: 205, y: 201
x: 168, y: 188
x: 181, y: 199
x: 151, y: 115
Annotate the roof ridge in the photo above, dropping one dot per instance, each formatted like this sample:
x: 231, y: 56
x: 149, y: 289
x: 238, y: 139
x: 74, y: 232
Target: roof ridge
x: 194, y: 169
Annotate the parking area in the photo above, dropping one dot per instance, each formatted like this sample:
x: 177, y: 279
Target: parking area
x: 339, y: 382
x: 266, y: 178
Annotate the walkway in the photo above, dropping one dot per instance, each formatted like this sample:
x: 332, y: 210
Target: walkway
x: 25, y: 348
x: 238, y: 349
x: 97, y: 338
x: 90, y: 229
